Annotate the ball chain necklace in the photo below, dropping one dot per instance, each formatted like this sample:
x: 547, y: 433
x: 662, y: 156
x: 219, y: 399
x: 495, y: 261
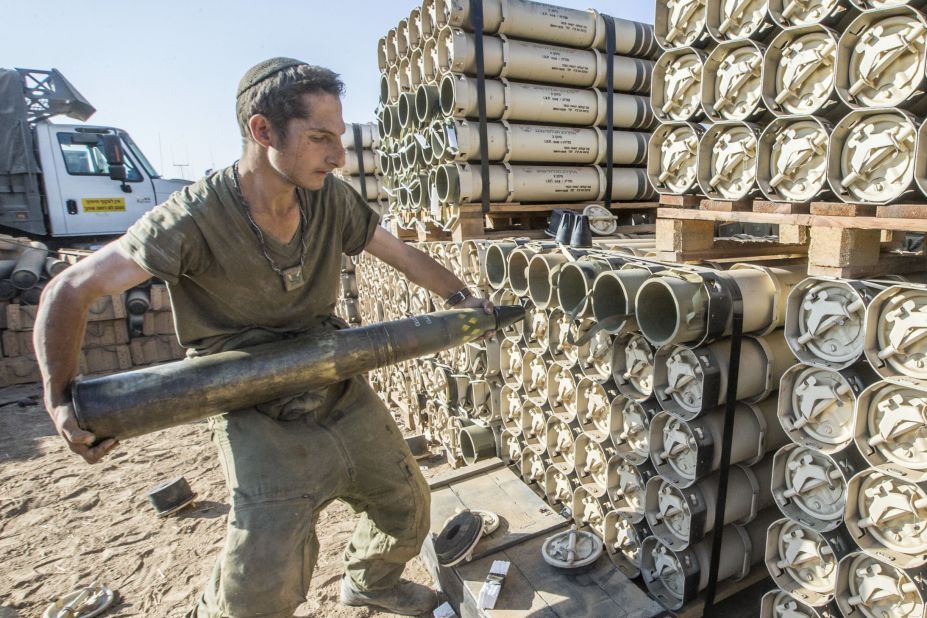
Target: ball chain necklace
x: 292, y: 277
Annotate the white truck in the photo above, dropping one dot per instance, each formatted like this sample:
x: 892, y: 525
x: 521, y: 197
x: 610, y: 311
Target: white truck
x: 75, y: 181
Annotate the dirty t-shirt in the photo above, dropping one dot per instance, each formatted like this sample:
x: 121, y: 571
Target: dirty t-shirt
x: 224, y: 293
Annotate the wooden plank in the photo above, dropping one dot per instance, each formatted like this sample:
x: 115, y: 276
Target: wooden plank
x: 744, y: 205
x: 887, y: 264
x: 838, y: 247
x: 684, y: 235
x: 645, y: 228
x: 731, y: 248
x: 521, y: 513
x: 839, y: 209
x: 443, y: 480
x: 863, y: 223
x: 681, y: 201
x: 902, y: 211
x: 534, y: 588
x: 781, y: 208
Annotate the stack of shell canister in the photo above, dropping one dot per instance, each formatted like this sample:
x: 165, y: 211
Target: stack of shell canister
x: 791, y: 100
x: 546, y: 105
x: 362, y: 166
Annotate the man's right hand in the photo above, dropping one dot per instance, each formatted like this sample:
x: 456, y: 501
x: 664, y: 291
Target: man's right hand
x: 78, y: 440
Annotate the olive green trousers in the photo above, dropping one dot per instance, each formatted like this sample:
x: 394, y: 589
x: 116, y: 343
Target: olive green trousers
x: 284, y: 462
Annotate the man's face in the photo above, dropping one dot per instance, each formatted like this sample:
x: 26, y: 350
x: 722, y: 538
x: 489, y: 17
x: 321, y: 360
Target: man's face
x: 313, y: 145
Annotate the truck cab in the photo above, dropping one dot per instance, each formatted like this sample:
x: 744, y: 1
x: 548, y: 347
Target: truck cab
x: 80, y: 196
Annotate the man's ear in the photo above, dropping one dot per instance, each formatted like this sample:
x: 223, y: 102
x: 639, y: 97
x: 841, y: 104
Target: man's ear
x: 261, y: 131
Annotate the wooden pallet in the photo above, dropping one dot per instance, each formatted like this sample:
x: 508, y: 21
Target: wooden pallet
x: 505, y: 220
x: 840, y: 240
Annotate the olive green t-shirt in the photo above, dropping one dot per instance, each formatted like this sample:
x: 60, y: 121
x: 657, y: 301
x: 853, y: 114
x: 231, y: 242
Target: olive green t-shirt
x: 224, y: 293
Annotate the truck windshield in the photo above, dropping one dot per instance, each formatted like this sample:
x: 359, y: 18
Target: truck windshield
x: 139, y: 156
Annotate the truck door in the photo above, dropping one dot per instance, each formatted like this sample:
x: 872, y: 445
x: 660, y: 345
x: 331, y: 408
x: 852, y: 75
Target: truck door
x: 82, y: 199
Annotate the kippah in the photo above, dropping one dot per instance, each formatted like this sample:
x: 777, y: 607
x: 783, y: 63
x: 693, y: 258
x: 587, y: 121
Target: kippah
x: 262, y: 70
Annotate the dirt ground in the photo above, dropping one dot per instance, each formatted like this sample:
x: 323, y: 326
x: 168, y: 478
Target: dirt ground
x: 65, y: 524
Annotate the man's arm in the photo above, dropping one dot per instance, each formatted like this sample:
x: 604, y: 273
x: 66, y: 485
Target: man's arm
x: 419, y: 268
x: 59, y: 333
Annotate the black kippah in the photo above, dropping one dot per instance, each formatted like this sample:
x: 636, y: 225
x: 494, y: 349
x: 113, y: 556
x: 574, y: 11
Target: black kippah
x: 262, y: 70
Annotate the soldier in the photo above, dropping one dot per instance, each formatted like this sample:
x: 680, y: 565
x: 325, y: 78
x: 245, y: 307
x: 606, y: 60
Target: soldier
x: 252, y: 254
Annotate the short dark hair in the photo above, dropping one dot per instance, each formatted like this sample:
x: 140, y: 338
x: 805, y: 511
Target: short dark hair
x: 279, y: 96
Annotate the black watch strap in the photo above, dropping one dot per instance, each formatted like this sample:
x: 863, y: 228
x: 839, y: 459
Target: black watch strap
x: 457, y: 297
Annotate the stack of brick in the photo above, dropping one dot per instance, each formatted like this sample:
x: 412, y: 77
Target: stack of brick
x: 110, y: 343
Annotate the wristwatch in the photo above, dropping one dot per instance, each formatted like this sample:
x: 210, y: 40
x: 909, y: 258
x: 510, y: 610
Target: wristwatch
x: 457, y: 297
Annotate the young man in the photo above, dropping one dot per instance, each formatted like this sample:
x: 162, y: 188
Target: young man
x: 251, y: 254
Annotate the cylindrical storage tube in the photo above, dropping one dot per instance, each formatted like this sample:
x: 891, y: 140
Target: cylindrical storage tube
x: 731, y: 85
x: 686, y: 451
x: 891, y: 429
x: 516, y: 269
x: 524, y: 101
x: 622, y: 541
x: 534, y: 467
x: 369, y: 137
x: 817, y: 405
x: 497, y: 263
x: 803, y: 561
x: 632, y: 366
x: 867, y: 586
x: 510, y: 406
x: 591, y: 464
x: 592, y: 408
x: 510, y: 363
x: 558, y: 487
x: 527, y: 143
x: 560, y: 438
x: 427, y: 104
x: 881, y: 59
x: 613, y: 297
x: 798, y: 73
x: 534, y: 427
x: 681, y: 24
x: 575, y: 285
x: 682, y: 517
x: 672, y: 158
x: 792, y: 13
x: 138, y: 299
x: 896, y: 332
x: 887, y: 517
x: 373, y: 185
x: 30, y: 266
x: 691, y: 381
x: 673, y: 306
x: 476, y: 444
x: 726, y: 167
x: 536, y: 332
x: 629, y: 428
x: 825, y: 320
x: 780, y: 604
x: 791, y: 161
x: 561, y: 392
x: 511, y: 448
x: 525, y: 19
x: 676, y: 91
x: 871, y: 157
x: 595, y: 357
x: 626, y: 483
x: 811, y: 487
x: 543, y: 276
x: 587, y: 510
x: 539, y: 62
x: 675, y: 578
x: 739, y: 19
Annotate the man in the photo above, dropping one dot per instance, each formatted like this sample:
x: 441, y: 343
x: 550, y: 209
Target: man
x: 251, y: 254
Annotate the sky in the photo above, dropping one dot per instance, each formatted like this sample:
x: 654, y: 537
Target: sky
x: 166, y: 71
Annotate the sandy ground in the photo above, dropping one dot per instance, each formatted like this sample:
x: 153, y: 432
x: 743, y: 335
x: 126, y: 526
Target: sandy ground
x: 65, y: 524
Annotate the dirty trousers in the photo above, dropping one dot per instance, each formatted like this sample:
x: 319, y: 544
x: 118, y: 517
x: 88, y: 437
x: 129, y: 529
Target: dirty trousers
x: 283, y: 463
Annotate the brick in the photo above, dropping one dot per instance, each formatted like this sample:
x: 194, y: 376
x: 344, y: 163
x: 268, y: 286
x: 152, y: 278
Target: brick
x: 158, y: 323
x: 17, y: 344
x: 22, y: 317
x: 160, y: 299
x: 106, y: 333
x: 22, y: 370
x: 106, y: 359
x: 108, y: 308
x: 156, y: 349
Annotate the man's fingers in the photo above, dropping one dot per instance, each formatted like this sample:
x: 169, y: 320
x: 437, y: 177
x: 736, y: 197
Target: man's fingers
x: 76, y: 435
